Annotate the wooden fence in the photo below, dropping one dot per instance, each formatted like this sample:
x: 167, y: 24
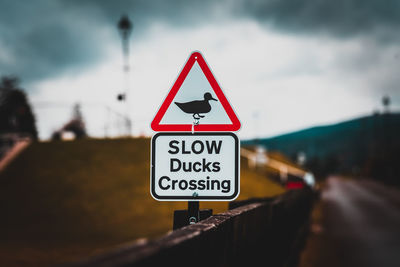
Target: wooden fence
x: 255, y: 232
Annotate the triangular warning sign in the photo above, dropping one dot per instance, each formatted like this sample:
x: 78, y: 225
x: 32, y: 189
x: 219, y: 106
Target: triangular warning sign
x: 195, y: 102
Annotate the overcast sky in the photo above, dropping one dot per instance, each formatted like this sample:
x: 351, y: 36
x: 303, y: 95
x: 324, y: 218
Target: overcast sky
x: 284, y: 65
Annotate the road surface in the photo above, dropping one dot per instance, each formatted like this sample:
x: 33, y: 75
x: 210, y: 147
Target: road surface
x: 357, y: 224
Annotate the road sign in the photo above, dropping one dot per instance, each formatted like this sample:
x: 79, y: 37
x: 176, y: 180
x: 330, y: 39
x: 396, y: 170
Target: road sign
x: 195, y: 102
x: 198, y: 166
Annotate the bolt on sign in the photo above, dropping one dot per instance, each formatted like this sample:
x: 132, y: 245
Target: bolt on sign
x: 195, y: 156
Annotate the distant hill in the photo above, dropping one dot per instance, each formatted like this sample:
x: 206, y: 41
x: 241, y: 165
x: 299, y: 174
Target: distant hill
x: 365, y: 146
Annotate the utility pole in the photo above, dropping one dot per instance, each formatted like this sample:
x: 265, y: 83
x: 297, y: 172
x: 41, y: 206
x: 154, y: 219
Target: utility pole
x: 125, y: 27
x: 386, y: 103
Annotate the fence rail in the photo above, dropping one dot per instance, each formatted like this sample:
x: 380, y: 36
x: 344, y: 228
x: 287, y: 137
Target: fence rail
x: 269, y: 231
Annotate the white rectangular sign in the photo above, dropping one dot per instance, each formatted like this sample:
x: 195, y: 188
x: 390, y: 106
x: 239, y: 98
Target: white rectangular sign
x: 195, y: 166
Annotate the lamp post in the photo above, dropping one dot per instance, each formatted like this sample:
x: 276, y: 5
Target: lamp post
x: 125, y: 27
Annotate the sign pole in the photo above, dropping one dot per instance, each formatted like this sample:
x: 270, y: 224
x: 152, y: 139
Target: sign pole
x: 193, y: 211
x: 193, y: 206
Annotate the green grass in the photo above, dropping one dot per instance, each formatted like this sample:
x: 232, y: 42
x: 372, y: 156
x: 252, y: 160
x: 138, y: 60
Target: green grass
x: 64, y: 200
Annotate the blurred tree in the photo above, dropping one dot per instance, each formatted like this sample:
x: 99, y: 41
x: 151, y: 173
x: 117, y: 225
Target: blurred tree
x: 15, y: 112
x: 76, y: 125
x: 77, y: 113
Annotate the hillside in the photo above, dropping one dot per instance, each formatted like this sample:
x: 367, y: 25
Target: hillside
x: 64, y: 200
x: 361, y: 145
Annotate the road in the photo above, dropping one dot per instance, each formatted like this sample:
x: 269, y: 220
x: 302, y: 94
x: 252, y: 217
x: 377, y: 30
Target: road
x: 357, y: 224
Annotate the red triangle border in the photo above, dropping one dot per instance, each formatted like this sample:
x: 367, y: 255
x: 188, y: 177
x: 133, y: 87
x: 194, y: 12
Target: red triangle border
x: 155, y: 124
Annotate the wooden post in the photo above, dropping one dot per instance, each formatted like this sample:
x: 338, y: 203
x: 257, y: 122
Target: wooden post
x: 186, y: 217
x: 193, y: 212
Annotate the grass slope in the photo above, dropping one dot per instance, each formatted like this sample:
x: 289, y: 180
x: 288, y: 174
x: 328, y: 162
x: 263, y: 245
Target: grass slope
x: 64, y: 200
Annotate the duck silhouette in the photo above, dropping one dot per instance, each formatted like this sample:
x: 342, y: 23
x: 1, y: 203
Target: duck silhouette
x: 197, y: 106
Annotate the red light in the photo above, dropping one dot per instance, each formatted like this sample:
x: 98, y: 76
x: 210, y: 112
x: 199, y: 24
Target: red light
x: 294, y: 185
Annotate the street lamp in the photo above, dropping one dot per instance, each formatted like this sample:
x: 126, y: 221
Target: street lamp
x: 125, y: 27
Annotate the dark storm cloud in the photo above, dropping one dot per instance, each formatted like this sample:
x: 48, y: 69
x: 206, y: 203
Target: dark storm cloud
x: 39, y: 39
x: 342, y: 18
x: 176, y: 12
x: 44, y: 38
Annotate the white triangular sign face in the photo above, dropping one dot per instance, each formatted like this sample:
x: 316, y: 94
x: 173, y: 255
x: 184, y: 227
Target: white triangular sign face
x: 193, y: 88
x: 196, y: 102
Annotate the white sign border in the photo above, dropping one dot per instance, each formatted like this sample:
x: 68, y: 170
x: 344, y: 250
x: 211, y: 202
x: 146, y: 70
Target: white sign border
x: 190, y: 197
